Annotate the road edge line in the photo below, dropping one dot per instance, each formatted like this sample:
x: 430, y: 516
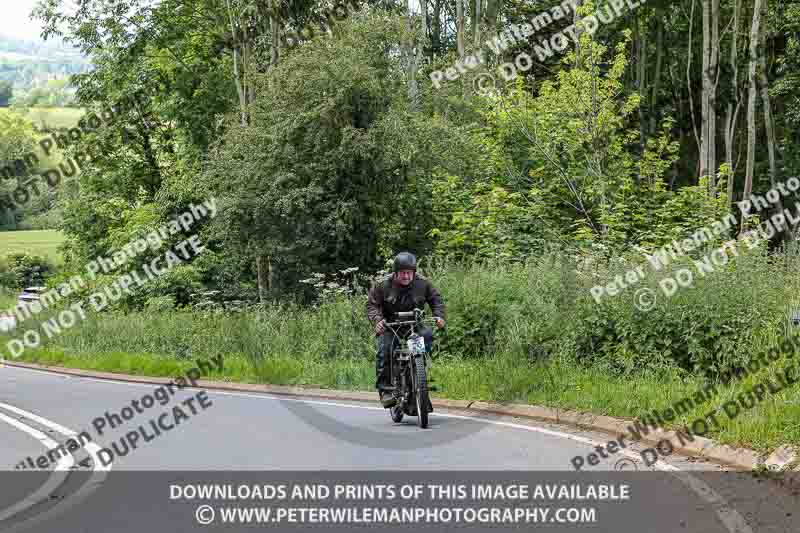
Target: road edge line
x: 741, y: 458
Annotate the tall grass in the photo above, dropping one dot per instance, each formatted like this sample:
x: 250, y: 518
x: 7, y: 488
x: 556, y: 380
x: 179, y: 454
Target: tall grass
x: 524, y: 314
x: 526, y: 333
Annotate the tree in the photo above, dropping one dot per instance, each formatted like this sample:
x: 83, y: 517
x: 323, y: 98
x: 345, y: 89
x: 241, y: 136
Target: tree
x: 755, y: 38
x: 6, y: 93
x: 17, y: 162
x: 766, y: 102
x: 247, y: 24
x: 335, y: 164
x: 708, y: 138
x: 460, y: 28
x: 734, y: 102
x: 144, y: 161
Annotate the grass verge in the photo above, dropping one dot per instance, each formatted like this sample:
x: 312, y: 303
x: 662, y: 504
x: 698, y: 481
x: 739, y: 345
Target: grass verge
x: 770, y: 424
x: 523, y: 333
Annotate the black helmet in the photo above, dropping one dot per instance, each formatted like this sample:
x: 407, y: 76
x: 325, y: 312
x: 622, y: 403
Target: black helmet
x: 405, y: 261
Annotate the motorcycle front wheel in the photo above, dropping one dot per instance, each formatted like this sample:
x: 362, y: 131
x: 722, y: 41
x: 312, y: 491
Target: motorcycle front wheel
x: 421, y: 393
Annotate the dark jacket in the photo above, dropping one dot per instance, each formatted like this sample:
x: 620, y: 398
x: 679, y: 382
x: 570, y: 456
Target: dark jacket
x: 385, y: 299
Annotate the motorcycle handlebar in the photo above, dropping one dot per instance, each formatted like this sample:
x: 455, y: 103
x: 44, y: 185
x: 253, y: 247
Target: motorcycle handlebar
x: 404, y: 323
x: 411, y: 322
x: 415, y: 313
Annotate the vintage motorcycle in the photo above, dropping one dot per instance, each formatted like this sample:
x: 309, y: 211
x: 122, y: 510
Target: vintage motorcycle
x: 408, y: 367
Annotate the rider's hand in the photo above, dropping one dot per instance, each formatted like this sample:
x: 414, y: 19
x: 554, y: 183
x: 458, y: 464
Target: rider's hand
x: 380, y: 327
x: 439, y: 322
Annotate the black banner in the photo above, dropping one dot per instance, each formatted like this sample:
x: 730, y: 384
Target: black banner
x: 150, y: 502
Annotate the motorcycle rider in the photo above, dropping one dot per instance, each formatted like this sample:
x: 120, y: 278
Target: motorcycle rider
x: 403, y: 290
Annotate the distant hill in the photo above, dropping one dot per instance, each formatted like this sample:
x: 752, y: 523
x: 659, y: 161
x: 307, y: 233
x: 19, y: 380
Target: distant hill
x: 32, y: 64
x: 52, y: 49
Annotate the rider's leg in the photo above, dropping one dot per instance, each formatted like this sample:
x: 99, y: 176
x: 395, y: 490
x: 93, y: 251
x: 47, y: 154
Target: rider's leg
x: 380, y: 360
x: 382, y: 346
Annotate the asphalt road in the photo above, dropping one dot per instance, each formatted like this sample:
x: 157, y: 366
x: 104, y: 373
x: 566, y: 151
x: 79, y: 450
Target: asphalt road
x: 133, y: 477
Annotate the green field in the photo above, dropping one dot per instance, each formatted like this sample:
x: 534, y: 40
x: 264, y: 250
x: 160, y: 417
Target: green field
x: 7, y: 298
x: 51, y: 117
x: 39, y: 242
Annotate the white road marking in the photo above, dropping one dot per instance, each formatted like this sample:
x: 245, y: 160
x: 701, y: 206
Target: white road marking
x: 54, y: 481
x: 729, y: 516
x: 90, y: 447
x: 36, y: 418
x: 99, y: 471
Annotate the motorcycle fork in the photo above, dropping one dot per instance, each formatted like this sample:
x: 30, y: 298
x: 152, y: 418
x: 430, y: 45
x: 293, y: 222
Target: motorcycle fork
x: 403, y: 389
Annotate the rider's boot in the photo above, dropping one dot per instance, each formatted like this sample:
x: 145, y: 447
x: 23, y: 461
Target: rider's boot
x: 388, y: 399
x: 385, y: 392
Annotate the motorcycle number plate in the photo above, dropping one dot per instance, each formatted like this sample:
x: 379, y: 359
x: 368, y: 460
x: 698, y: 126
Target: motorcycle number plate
x: 416, y: 345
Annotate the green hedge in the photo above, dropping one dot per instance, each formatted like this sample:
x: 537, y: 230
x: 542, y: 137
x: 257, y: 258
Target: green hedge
x: 19, y: 270
x: 522, y: 313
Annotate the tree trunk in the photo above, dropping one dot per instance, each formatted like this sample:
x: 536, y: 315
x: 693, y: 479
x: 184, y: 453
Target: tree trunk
x: 262, y: 278
x: 248, y: 65
x: 733, y: 106
x: 657, y: 75
x: 576, y: 19
x: 436, y: 32
x: 641, y: 81
x: 460, y: 28
x: 769, y: 124
x: 412, y: 58
x: 689, y: 54
x: 493, y: 14
x: 425, y: 19
x: 673, y: 178
x: 270, y: 275
x: 751, y: 100
x: 765, y: 100
x: 684, y: 131
x: 476, y: 26
x: 238, y: 66
x: 708, y: 156
x: 275, y: 30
